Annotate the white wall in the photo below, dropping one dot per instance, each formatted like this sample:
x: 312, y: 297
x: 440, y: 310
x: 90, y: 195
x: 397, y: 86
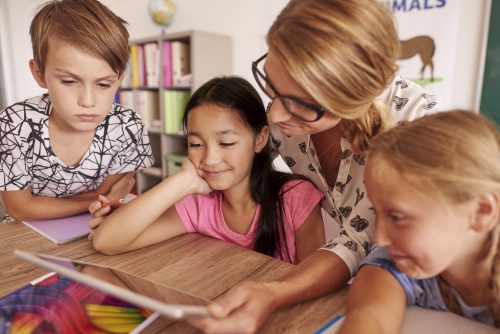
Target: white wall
x: 245, y: 21
x: 469, y: 65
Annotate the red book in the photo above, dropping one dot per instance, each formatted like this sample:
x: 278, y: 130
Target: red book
x: 167, y: 64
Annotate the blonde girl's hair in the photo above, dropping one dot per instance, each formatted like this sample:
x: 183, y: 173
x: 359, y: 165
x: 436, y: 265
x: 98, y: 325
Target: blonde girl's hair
x: 84, y: 24
x: 455, y: 154
x: 342, y: 53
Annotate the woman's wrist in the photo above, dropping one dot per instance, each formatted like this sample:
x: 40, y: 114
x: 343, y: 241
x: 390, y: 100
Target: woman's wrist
x: 278, y: 293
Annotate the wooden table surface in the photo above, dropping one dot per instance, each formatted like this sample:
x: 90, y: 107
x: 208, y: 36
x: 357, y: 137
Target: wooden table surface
x: 193, y: 263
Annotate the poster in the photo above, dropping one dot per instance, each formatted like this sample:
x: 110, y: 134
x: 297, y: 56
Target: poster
x: 428, y: 31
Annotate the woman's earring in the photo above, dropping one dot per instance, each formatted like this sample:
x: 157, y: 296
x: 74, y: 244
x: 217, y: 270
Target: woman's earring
x: 268, y: 108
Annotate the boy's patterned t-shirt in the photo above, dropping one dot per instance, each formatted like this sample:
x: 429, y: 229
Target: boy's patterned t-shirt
x: 120, y: 145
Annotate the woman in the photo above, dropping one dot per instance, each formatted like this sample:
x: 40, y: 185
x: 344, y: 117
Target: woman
x: 330, y: 75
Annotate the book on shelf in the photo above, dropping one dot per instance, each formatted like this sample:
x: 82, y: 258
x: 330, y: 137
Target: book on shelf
x: 180, y: 61
x: 141, y: 66
x: 152, y: 64
x: 117, y: 98
x: 174, y: 104
x: 143, y: 102
x: 134, y: 65
x: 167, y: 63
x: 143, y: 69
x: 146, y: 105
x: 185, y: 81
x: 126, y: 99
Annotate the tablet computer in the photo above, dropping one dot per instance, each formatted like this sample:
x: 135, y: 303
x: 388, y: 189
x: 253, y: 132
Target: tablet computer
x: 167, y: 301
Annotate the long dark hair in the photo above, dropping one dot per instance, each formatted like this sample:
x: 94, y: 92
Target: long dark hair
x: 238, y: 95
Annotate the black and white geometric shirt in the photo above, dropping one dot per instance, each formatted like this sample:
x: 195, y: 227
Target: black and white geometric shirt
x: 120, y: 144
x: 345, y: 202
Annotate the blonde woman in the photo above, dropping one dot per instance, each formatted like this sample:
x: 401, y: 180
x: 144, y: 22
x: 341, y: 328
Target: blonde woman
x: 435, y: 184
x: 330, y: 73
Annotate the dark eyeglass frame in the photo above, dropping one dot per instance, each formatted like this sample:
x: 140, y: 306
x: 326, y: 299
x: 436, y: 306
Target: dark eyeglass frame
x: 258, y: 75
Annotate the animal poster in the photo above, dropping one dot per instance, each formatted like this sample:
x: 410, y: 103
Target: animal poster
x: 428, y: 32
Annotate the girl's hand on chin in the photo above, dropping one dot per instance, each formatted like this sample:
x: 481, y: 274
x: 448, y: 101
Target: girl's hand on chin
x: 199, y: 185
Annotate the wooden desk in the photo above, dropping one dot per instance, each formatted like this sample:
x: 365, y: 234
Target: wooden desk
x: 193, y: 263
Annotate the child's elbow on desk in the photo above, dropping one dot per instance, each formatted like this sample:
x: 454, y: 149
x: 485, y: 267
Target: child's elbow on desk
x: 17, y: 216
x: 103, y: 246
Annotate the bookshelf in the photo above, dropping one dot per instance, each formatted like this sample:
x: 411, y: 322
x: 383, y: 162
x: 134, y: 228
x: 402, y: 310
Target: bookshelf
x: 163, y: 72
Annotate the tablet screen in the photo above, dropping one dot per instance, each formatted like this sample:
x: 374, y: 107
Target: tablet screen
x: 135, y: 292
x: 126, y: 281
x: 55, y: 304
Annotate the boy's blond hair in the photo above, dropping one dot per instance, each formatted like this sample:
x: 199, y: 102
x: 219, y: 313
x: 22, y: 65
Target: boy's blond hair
x: 454, y: 155
x: 84, y: 24
x: 342, y: 53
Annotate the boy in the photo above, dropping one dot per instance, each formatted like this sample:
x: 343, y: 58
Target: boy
x: 59, y: 151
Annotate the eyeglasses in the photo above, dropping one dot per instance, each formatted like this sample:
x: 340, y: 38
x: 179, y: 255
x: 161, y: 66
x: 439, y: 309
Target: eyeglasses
x: 298, y: 108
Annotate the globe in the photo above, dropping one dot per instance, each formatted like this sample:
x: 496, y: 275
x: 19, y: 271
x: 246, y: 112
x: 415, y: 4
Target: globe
x: 162, y: 11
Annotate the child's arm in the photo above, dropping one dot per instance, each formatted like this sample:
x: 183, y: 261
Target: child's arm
x: 376, y: 303
x: 148, y: 219
x: 311, y: 235
x: 22, y: 205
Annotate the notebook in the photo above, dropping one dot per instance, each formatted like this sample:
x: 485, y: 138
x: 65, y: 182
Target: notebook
x: 63, y: 230
x: 129, y: 298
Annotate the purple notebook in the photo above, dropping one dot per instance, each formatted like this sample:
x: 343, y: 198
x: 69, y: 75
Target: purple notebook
x: 62, y: 230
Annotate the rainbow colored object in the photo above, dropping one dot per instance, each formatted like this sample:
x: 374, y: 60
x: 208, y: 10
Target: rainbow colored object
x: 60, y: 305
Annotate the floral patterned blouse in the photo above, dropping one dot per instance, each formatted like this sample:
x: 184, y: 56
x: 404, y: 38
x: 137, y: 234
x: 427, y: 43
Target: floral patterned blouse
x: 345, y: 202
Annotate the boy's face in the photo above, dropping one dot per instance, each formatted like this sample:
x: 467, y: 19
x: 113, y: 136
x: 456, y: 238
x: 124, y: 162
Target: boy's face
x: 81, y: 87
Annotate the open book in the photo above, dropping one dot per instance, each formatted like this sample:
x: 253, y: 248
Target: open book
x: 63, y: 230
x: 419, y: 320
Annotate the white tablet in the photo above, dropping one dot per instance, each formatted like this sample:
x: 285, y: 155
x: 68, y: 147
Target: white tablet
x: 174, y: 303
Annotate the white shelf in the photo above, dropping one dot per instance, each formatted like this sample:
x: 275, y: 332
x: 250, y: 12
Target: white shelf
x: 210, y: 56
x: 152, y: 171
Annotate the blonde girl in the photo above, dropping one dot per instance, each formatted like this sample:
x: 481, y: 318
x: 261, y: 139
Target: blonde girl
x: 435, y: 186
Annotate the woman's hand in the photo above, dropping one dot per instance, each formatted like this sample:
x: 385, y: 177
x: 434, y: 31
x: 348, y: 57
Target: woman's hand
x: 243, y: 309
x: 99, y: 210
x: 199, y: 185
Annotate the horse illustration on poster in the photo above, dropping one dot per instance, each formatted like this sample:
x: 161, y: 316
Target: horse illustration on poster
x: 424, y: 47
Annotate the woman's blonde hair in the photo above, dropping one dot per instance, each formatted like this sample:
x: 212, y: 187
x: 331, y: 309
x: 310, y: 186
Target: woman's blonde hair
x: 455, y: 155
x: 342, y: 53
x: 84, y: 24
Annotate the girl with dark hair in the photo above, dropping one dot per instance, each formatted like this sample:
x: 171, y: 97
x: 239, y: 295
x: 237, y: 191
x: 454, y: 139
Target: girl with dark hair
x: 227, y: 189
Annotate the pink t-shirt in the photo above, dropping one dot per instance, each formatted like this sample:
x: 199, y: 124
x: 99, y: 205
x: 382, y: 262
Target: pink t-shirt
x: 203, y: 214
